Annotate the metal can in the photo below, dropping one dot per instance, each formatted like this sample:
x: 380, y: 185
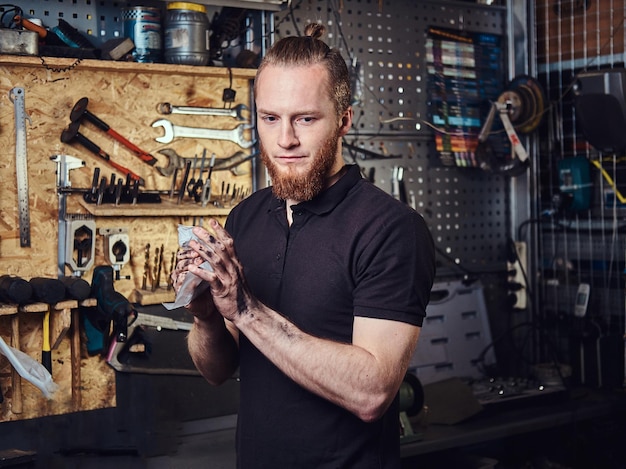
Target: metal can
x: 143, y: 26
x: 186, y: 34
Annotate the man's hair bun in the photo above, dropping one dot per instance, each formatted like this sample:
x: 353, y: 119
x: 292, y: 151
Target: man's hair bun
x: 314, y: 30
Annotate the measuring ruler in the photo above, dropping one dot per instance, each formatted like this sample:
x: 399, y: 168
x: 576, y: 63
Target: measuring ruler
x: 16, y: 95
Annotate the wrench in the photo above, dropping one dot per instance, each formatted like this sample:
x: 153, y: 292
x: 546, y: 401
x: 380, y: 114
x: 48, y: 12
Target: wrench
x: 167, y: 108
x: 175, y: 131
x: 175, y: 161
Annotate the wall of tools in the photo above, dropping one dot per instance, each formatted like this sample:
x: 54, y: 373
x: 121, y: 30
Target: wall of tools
x: 101, y: 163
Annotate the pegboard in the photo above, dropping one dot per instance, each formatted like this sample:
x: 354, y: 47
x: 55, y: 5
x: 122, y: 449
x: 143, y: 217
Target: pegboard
x: 385, y: 45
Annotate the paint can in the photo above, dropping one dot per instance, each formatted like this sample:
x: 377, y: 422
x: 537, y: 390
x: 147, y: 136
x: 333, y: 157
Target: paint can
x: 186, y: 34
x: 143, y: 26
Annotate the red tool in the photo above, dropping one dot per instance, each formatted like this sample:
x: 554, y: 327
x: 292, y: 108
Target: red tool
x: 80, y: 110
x: 72, y: 133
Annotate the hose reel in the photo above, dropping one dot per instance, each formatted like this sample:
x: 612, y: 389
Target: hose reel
x: 521, y: 108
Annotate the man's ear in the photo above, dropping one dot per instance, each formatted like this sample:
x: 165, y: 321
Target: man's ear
x: 346, y: 121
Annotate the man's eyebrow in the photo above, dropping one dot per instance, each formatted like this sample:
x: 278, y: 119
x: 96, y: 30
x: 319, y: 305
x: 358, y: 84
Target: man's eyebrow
x: 304, y: 112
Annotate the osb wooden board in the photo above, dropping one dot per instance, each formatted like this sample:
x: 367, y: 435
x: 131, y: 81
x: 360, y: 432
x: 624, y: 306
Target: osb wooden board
x: 579, y: 29
x: 125, y: 96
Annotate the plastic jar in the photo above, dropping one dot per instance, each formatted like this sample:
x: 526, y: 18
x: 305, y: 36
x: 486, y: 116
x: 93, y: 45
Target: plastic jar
x: 186, y: 34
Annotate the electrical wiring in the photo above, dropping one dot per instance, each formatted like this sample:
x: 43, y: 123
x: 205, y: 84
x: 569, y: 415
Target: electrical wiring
x: 609, y: 181
x: 11, y: 12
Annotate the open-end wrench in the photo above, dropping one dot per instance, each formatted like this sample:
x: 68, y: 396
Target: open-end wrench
x: 172, y: 131
x: 177, y: 162
x: 235, y: 112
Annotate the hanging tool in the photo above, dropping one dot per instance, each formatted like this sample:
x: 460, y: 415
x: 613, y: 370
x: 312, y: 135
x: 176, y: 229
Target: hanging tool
x: 155, y: 268
x: 113, y: 309
x: 146, y: 268
x: 183, y: 185
x: 71, y: 133
x: 64, y: 163
x: 16, y: 95
x: 172, y: 131
x: 80, y: 111
x: 175, y: 161
x: 192, y: 180
x: 196, y: 189
x: 157, y: 281
x: 235, y: 112
x: 116, y: 247
x: 46, y: 352
x: 16, y: 383
x: 206, y: 188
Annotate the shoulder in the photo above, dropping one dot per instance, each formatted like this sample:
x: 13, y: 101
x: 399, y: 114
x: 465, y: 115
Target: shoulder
x: 256, y: 203
x: 371, y: 202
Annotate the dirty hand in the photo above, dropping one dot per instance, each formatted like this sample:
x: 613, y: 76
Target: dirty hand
x: 201, y: 306
x: 230, y: 292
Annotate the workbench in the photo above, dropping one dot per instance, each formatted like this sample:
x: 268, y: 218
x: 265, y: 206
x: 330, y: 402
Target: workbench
x: 544, y: 420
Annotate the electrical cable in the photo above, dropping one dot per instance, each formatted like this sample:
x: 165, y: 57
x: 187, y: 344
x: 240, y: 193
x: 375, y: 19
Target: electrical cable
x: 12, y: 10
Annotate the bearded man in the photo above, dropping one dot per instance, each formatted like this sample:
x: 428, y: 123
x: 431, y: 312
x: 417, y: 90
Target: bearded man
x: 319, y: 284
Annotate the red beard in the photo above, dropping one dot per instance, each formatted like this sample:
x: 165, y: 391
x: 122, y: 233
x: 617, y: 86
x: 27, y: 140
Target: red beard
x: 303, y: 187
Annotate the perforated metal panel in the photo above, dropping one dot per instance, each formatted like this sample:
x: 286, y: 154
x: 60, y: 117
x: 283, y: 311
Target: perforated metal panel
x: 385, y: 41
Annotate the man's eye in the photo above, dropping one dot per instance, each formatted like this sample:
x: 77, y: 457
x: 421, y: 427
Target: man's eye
x: 269, y: 119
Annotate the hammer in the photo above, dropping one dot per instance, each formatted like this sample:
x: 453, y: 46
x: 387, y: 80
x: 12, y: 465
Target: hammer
x: 80, y: 111
x: 71, y: 133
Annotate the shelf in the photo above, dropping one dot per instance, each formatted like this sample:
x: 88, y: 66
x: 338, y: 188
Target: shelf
x: 166, y: 208
x: 120, y: 66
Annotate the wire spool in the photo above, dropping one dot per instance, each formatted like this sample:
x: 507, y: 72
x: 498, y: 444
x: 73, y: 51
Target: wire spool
x: 527, y: 103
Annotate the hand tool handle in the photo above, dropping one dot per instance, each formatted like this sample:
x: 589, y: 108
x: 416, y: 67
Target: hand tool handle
x: 146, y: 157
x: 126, y: 171
x: 29, y: 25
x: 183, y: 186
x: 16, y: 382
x: 80, y: 110
x: 46, y: 354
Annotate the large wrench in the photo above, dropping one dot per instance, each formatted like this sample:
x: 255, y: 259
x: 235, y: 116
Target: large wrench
x: 175, y: 161
x: 177, y: 131
x: 167, y: 108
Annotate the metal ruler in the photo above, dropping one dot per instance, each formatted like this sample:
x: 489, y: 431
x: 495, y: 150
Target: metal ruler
x: 16, y: 95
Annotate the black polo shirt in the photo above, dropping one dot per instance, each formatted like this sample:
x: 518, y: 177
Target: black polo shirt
x: 351, y: 251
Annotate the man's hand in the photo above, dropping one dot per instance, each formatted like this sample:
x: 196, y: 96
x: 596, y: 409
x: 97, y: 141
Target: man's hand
x: 228, y: 287
x: 202, y: 306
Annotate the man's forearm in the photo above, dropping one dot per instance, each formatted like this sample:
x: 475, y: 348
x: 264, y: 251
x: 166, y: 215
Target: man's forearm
x: 352, y: 376
x: 213, y: 349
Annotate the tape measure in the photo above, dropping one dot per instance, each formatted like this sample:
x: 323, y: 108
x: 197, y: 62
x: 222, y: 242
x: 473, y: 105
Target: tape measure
x: 16, y: 95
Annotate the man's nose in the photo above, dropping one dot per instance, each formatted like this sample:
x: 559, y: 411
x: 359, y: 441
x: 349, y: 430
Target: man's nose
x: 287, y: 137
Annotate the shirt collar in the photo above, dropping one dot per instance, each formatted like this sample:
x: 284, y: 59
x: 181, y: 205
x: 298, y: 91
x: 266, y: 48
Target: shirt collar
x: 329, y: 198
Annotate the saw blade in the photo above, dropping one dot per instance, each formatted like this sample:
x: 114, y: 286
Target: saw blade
x: 17, y: 97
